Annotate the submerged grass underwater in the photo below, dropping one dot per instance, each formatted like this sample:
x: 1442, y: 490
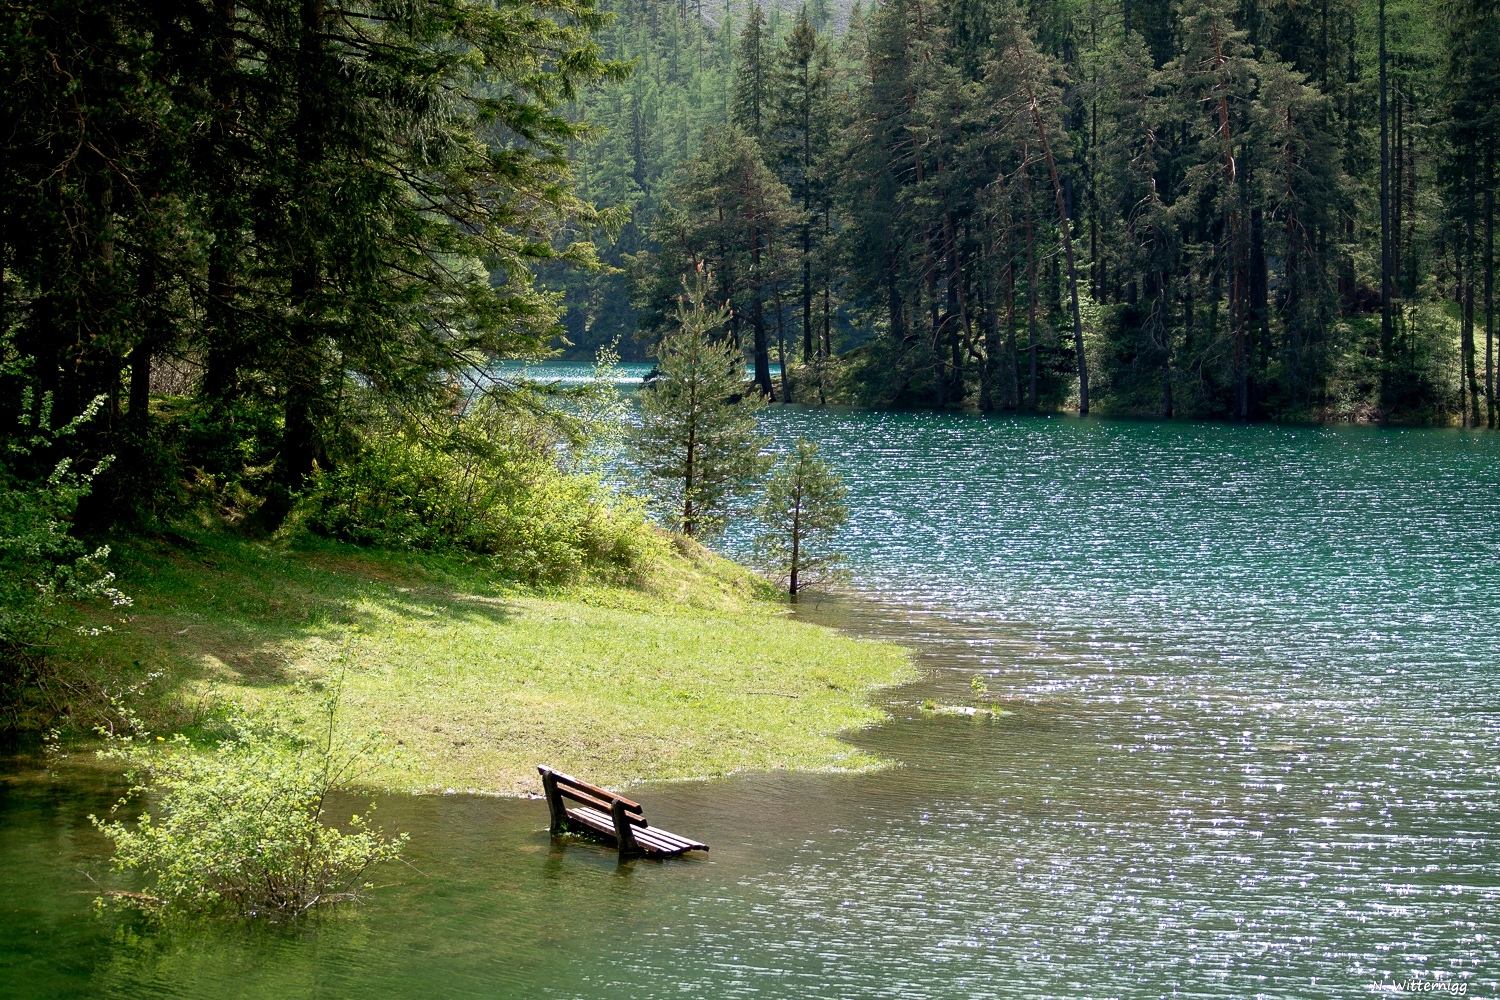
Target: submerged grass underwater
x: 692, y: 673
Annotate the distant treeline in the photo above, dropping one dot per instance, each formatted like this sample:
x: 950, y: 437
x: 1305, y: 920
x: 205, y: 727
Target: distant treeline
x: 1248, y: 210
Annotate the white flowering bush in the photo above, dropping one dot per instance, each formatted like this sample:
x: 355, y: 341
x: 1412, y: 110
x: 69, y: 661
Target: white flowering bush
x: 42, y: 565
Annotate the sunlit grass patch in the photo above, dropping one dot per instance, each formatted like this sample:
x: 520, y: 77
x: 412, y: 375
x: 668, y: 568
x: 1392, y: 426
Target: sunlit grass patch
x: 476, y: 680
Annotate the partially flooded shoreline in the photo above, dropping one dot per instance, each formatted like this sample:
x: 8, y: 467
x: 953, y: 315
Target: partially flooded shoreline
x: 1243, y: 756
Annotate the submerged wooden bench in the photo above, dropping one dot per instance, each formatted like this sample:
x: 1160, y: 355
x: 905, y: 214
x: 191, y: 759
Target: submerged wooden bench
x: 579, y: 807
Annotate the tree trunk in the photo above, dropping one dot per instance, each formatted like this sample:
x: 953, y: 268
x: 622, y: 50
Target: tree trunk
x: 955, y: 320
x: 1012, y: 361
x: 689, y: 460
x: 893, y: 306
x: 1468, y: 307
x: 934, y: 322
x: 758, y: 320
x: 992, y: 351
x: 304, y: 362
x: 826, y: 348
x: 1062, y: 221
x: 1489, y: 285
x: 221, y: 379
x: 807, y: 296
x: 1163, y: 304
x: 786, y: 392
x: 1031, y: 400
x: 1397, y: 185
x: 1461, y: 278
x: 1260, y: 283
x: 1386, y: 290
x: 140, y: 355
x: 793, y: 582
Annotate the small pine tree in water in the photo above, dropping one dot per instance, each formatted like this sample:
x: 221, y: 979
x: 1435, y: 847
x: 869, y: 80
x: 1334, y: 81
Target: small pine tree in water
x: 698, y: 444
x: 802, y: 511
x: 240, y: 830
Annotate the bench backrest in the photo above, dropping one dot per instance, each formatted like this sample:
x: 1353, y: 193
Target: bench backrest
x: 592, y: 795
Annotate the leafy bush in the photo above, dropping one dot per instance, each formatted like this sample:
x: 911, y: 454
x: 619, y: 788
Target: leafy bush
x: 241, y: 829
x: 493, y: 478
x: 42, y: 565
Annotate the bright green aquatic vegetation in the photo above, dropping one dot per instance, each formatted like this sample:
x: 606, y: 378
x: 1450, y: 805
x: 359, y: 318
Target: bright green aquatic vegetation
x: 241, y: 830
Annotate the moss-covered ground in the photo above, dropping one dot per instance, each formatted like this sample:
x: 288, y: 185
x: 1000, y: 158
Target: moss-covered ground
x: 692, y: 672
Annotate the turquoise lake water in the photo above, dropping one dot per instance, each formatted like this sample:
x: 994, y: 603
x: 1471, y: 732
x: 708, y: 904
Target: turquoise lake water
x: 1252, y: 749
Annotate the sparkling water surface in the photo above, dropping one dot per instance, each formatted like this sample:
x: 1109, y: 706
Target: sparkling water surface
x: 1251, y: 747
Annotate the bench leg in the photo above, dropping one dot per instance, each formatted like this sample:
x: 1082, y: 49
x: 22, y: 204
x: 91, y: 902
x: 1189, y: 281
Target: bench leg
x: 554, y: 802
x: 624, y: 832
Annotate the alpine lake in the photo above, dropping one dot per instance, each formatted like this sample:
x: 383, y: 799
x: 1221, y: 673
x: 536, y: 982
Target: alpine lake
x: 1245, y: 742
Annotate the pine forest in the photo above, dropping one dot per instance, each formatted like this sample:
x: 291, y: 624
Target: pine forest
x: 1239, y: 210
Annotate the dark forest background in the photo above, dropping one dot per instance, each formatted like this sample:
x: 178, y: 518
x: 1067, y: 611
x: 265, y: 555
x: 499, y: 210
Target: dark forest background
x: 251, y: 241
x: 1276, y: 210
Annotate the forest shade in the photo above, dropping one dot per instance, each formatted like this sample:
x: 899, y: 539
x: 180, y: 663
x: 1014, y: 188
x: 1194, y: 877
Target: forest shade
x: 278, y: 208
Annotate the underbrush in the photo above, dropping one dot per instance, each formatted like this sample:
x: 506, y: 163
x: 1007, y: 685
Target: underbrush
x: 533, y: 521
x: 490, y: 478
x: 45, y: 571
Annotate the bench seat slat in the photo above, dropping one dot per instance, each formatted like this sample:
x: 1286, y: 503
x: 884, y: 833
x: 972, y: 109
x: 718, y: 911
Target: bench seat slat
x: 667, y: 837
x: 669, y: 845
x: 655, y: 845
x: 653, y: 839
x: 593, y: 819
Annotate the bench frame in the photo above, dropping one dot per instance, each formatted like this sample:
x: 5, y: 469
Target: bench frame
x: 602, y: 813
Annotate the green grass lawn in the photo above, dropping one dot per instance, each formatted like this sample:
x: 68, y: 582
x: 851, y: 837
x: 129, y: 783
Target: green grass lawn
x: 692, y: 673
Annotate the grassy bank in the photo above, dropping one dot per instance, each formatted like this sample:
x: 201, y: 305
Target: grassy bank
x: 692, y: 673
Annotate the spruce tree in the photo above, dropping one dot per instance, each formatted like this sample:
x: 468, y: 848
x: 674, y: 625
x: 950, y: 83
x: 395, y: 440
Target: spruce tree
x: 729, y: 213
x: 698, y: 444
x: 752, y: 72
x: 300, y: 200
x: 803, y: 509
x: 798, y: 145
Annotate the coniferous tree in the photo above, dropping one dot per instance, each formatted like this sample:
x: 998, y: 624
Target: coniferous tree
x: 698, y: 445
x: 294, y: 200
x: 801, y: 512
x: 1223, y: 206
x: 752, y: 75
x: 730, y: 214
x: 1304, y: 193
x: 798, y: 146
x: 881, y: 162
x: 1473, y: 86
x: 287, y: 202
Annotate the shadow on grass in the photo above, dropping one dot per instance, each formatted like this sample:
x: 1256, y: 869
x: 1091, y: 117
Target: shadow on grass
x: 253, y: 614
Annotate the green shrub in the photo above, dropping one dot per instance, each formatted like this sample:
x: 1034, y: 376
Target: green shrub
x: 240, y: 829
x: 42, y: 565
x: 493, y: 480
